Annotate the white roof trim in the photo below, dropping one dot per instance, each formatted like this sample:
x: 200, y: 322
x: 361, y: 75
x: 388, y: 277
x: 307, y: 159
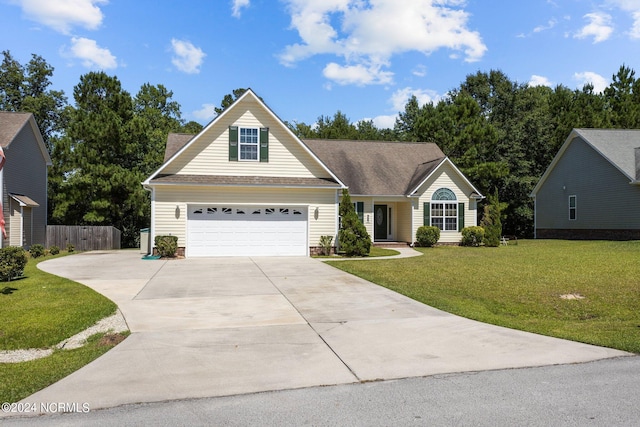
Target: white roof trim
x: 248, y: 92
x: 447, y: 160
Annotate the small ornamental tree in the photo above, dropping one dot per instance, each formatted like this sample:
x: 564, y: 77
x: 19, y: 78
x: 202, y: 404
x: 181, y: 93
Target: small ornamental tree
x: 352, y: 237
x: 491, y: 221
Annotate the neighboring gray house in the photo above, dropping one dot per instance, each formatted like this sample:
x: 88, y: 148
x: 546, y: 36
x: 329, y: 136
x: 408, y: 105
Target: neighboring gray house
x: 23, y: 180
x: 591, y: 190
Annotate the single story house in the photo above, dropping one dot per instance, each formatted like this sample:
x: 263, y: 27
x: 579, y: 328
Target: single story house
x: 23, y: 180
x: 591, y: 190
x: 247, y: 185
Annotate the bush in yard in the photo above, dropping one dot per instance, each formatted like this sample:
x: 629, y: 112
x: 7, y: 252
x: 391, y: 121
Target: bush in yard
x: 13, y: 259
x: 167, y: 246
x: 54, y: 250
x: 472, y: 236
x: 491, y: 221
x: 70, y: 248
x: 325, y: 244
x: 352, y: 237
x: 427, y: 236
x: 36, y: 250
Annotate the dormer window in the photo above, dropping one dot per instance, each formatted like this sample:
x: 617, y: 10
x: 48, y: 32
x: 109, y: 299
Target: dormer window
x: 249, y: 144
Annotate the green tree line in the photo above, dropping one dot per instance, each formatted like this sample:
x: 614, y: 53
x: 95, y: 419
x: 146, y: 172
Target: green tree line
x: 500, y: 133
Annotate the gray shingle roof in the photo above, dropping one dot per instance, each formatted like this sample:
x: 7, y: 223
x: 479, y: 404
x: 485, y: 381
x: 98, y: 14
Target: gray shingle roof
x: 175, y: 141
x: 366, y: 167
x: 10, y: 125
x: 376, y: 167
x: 617, y: 145
x: 244, y: 180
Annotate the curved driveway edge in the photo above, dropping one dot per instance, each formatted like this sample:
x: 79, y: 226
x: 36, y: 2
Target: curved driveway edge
x: 224, y: 326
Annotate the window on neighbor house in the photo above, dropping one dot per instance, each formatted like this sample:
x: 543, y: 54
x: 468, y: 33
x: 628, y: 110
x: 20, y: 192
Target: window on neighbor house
x: 249, y: 144
x: 573, y: 208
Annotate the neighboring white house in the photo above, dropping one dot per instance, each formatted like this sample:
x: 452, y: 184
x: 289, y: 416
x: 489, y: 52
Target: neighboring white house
x: 246, y: 185
x: 23, y: 180
x: 591, y: 189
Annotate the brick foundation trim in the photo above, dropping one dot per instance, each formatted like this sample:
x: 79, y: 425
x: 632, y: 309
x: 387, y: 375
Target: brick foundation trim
x: 584, y: 234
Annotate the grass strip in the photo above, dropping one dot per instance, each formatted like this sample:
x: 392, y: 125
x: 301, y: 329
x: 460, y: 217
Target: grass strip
x: 20, y: 380
x: 41, y: 309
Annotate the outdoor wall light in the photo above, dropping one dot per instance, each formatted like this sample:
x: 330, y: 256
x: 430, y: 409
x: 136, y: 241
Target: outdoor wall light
x: 367, y: 218
x: 177, y: 211
x: 316, y: 213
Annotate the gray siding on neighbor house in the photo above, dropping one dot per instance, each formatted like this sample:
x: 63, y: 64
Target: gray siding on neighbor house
x: 25, y: 172
x: 605, y: 198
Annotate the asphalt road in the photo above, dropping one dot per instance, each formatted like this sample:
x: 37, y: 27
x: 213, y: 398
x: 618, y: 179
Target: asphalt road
x: 602, y: 393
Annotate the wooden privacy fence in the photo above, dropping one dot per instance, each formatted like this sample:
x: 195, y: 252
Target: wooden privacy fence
x: 83, y: 237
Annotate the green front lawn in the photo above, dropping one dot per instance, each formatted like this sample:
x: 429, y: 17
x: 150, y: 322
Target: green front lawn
x: 520, y: 286
x: 39, y: 311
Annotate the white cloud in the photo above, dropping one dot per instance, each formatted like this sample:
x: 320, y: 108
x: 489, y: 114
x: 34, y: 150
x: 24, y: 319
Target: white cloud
x: 633, y: 7
x: 187, y: 57
x: 599, y: 27
x: 206, y: 113
x: 599, y: 83
x: 540, y: 28
x: 399, y: 101
x: 424, y: 96
x: 92, y: 55
x: 420, y: 71
x: 539, y: 81
x: 368, y: 34
x: 62, y: 15
x: 238, y: 5
x: 385, y: 122
x: 356, y: 74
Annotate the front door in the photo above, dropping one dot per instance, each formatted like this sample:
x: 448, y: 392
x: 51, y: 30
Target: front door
x: 380, y: 222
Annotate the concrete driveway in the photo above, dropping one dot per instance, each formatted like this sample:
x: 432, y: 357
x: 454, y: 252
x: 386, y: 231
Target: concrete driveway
x: 223, y: 326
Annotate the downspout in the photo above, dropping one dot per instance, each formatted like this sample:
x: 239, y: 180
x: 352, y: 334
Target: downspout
x: 337, y: 219
x: 152, y: 223
x: 2, y: 203
x: 535, y: 217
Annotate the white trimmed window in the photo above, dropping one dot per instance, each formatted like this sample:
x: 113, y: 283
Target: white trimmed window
x: 444, y: 210
x: 573, y: 208
x: 249, y: 144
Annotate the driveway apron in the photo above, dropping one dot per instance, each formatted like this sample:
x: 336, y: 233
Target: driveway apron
x: 224, y: 326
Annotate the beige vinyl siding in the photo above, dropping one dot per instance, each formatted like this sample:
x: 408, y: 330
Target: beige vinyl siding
x: 605, y: 199
x: 209, y: 155
x: 14, y: 227
x: 171, y: 206
x: 25, y: 172
x: 403, y: 222
x: 447, y: 177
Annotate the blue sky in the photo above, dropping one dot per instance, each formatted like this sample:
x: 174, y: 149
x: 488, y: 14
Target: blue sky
x: 308, y: 58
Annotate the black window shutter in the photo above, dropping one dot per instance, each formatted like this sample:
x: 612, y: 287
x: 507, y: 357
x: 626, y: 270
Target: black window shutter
x: 360, y: 211
x: 264, y: 144
x: 426, y: 215
x: 460, y: 216
x: 233, y: 143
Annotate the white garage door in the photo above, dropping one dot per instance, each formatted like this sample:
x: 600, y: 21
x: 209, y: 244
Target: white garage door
x: 247, y: 231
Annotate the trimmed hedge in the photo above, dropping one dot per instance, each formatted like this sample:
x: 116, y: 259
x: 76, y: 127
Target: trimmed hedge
x: 36, y: 251
x: 167, y: 246
x: 472, y: 236
x: 427, y: 236
x: 13, y: 259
